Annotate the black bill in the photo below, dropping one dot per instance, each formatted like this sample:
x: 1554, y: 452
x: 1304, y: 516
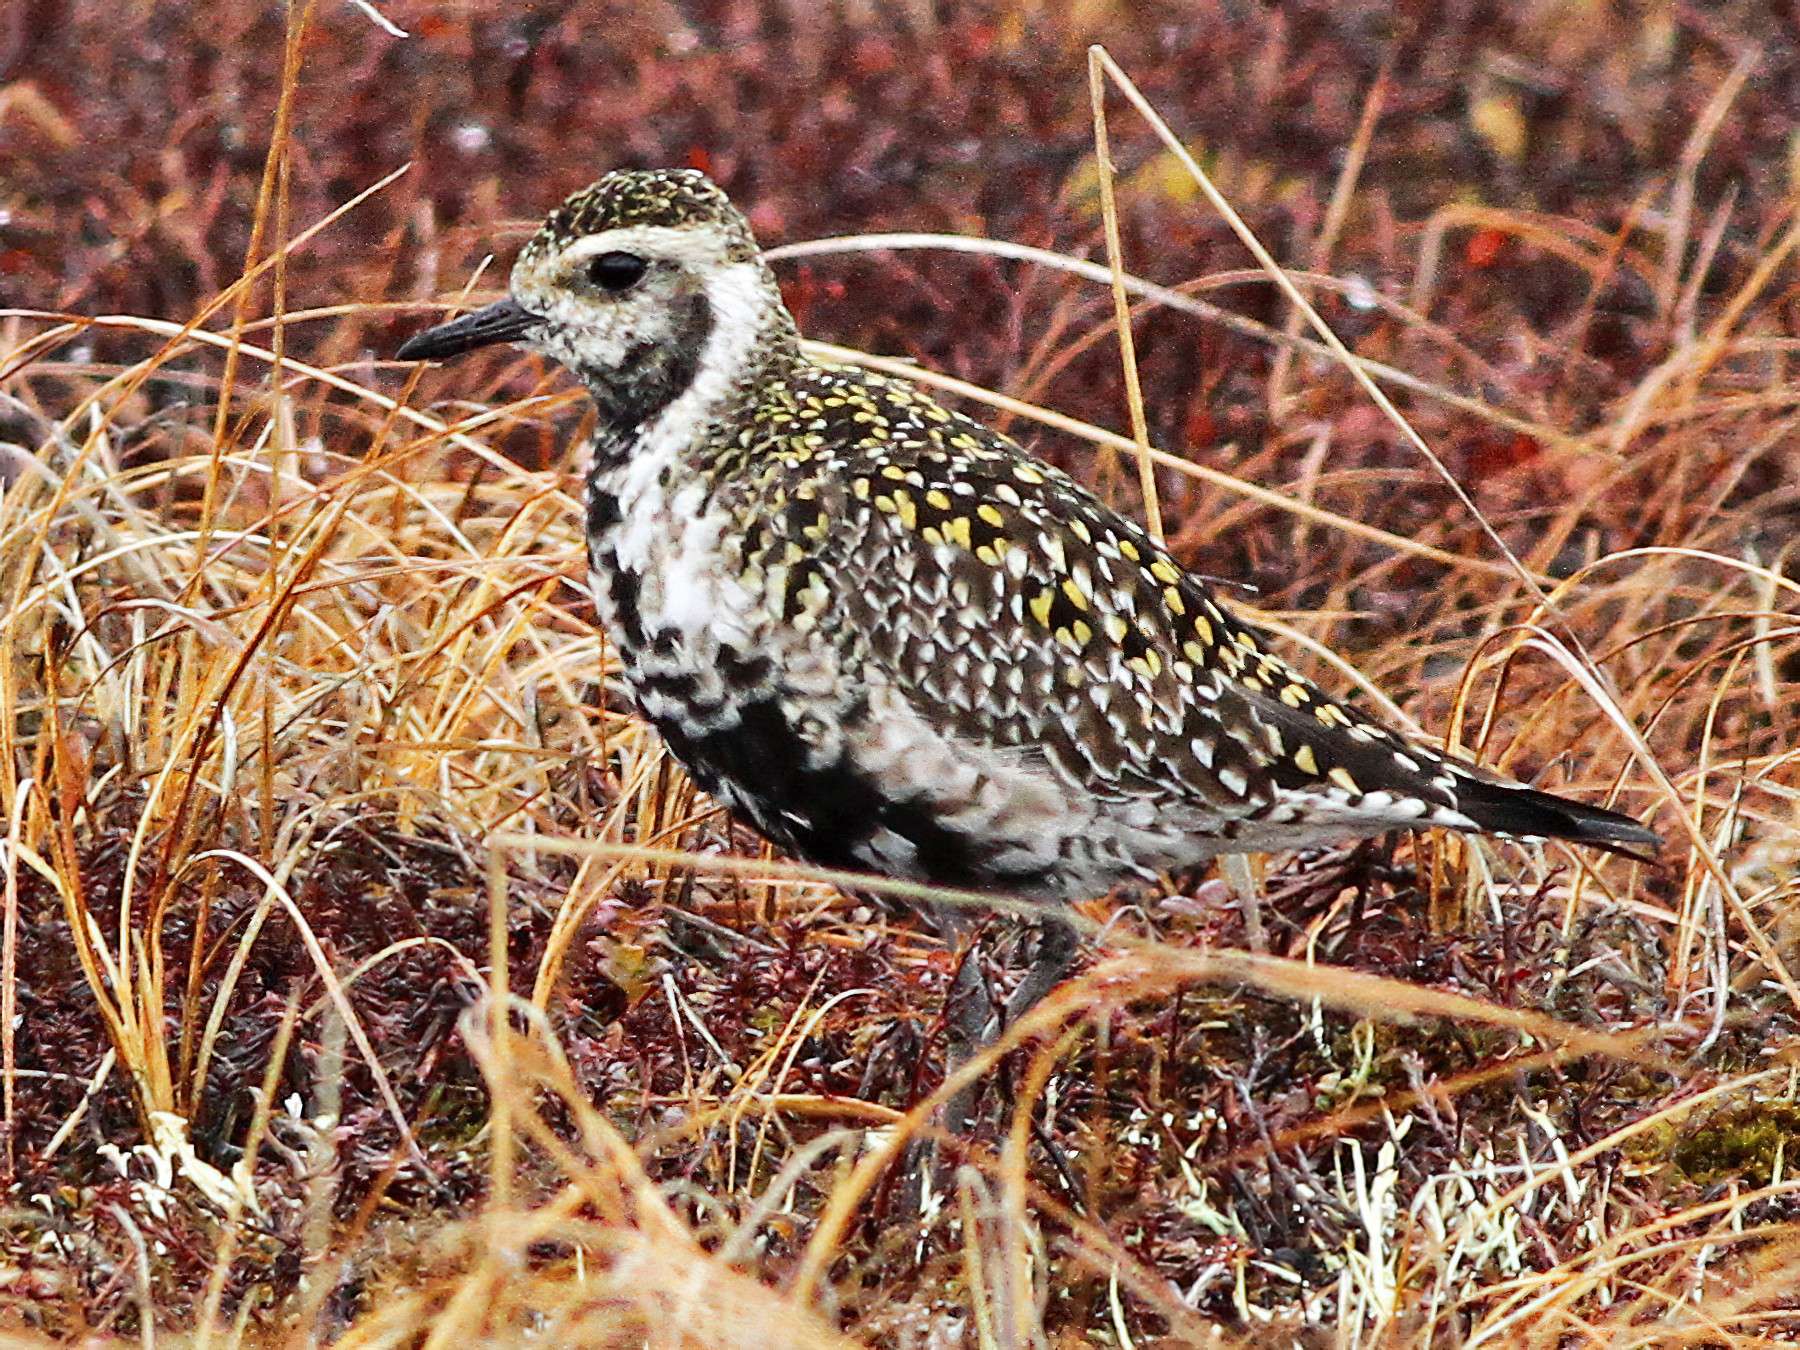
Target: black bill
x: 503, y: 321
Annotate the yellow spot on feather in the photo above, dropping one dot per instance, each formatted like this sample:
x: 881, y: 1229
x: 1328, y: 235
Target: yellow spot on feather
x: 1149, y: 664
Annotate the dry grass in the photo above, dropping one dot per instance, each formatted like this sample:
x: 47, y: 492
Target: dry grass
x: 312, y: 767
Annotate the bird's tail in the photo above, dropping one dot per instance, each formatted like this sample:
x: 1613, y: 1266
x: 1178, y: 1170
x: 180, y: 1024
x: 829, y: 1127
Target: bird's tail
x: 1506, y: 808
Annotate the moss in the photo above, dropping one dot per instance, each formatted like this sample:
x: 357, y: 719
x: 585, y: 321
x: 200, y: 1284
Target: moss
x: 1749, y: 1141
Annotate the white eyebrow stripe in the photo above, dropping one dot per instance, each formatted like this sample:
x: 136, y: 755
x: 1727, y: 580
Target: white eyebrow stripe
x: 692, y: 244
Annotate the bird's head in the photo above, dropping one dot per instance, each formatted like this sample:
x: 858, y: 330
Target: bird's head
x: 647, y: 285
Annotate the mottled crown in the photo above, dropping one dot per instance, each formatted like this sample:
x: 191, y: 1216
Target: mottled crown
x: 667, y: 197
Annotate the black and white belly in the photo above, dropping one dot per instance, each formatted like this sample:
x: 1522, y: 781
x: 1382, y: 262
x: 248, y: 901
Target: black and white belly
x: 816, y: 749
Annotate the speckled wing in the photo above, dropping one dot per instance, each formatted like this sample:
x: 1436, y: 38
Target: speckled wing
x: 1017, y: 610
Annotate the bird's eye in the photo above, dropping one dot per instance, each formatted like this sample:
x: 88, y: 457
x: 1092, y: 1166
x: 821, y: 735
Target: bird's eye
x: 616, y: 271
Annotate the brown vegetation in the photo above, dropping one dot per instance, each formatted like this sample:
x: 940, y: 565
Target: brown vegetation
x: 308, y: 754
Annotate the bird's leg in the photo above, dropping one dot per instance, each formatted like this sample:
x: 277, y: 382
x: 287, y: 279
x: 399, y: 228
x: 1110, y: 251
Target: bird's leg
x: 973, y: 1027
x: 1240, y: 876
x: 1058, y: 948
x: 968, y: 1018
x: 968, y: 1008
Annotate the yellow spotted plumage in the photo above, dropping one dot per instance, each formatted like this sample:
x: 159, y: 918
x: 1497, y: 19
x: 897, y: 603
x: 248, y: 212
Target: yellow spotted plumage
x: 889, y: 639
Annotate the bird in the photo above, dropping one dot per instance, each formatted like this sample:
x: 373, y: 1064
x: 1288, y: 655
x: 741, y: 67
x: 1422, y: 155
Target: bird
x: 890, y: 639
